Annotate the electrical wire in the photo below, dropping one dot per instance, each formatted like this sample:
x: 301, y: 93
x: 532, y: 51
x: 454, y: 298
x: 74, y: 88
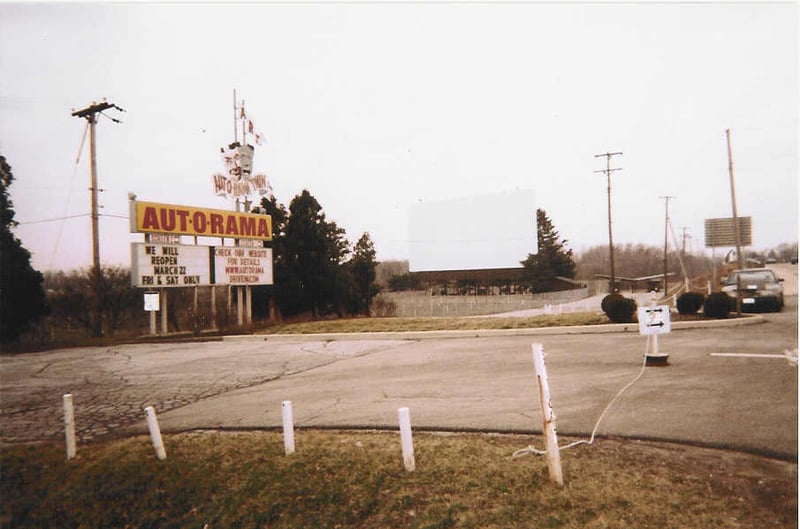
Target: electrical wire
x: 69, y: 198
x: 54, y: 219
x: 531, y: 450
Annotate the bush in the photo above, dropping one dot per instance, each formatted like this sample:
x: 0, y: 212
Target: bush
x: 619, y: 309
x: 718, y: 305
x: 690, y: 302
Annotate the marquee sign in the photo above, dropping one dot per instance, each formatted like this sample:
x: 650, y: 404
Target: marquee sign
x: 150, y: 217
x: 242, y: 266
x: 178, y: 265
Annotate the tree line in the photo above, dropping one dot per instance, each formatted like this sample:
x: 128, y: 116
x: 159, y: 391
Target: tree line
x: 316, y: 271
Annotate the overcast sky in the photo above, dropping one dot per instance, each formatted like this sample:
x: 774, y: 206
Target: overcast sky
x: 374, y: 107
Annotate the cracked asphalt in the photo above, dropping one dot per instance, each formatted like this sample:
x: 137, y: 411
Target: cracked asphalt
x: 449, y: 381
x: 112, y: 385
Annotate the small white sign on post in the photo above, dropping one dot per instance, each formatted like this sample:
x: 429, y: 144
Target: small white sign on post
x: 151, y: 302
x: 654, y: 320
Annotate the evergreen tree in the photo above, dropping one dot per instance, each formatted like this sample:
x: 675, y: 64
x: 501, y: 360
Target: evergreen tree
x: 552, y: 259
x: 22, y: 300
x: 313, y: 249
x: 362, y: 270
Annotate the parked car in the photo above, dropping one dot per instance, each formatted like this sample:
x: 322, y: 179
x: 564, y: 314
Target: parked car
x: 760, y: 288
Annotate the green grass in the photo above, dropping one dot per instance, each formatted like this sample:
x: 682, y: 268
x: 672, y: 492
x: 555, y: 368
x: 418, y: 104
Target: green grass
x: 354, y: 325
x: 356, y: 480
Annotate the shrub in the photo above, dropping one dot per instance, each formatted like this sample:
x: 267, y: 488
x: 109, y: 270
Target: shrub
x: 718, y: 305
x: 690, y: 302
x: 619, y: 309
x: 383, y: 307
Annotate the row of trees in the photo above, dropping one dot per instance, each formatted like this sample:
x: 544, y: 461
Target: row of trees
x: 316, y: 271
x: 315, y: 268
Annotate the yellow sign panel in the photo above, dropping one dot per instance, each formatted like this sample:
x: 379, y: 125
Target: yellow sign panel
x: 150, y: 217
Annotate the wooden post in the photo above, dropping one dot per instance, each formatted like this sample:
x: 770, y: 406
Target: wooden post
x: 69, y: 426
x: 288, y: 427
x: 548, y: 417
x: 406, y: 440
x: 155, y: 433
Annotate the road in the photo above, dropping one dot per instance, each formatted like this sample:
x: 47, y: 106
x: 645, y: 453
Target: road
x: 483, y: 383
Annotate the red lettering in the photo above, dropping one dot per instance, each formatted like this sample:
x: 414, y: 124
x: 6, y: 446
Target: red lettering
x: 247, y: 226
x: 150, y: 219
x: 168, y: 219
x: 199, y: 222
x: 216, y: 224
x: 263, y: 229
x: 231, y: 228
x: 182, y: 214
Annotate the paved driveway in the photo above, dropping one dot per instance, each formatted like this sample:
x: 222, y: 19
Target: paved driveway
x: 485, y: 383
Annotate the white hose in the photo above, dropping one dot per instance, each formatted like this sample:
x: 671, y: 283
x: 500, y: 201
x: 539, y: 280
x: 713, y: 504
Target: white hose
x: 530, y: 450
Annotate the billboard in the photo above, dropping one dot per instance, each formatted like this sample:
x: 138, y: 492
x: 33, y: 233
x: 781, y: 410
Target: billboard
x: 150, y: 217
x: 722, y: 232
x: 472, y: 233
x: 178, y: 265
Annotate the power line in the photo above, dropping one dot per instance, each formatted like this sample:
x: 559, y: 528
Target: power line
x: 41, y: 221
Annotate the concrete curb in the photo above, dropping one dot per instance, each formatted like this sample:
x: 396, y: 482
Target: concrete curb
x: 481, y: 333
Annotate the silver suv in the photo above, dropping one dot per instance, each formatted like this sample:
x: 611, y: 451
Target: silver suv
x: 760, y: 288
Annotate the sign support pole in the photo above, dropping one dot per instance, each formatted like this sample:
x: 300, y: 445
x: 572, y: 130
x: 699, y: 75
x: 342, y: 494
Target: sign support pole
x: 214, y: 306
x: 239, y: 307
x: 153, y: 323
x: 164, y: 309
x: 249, y: 304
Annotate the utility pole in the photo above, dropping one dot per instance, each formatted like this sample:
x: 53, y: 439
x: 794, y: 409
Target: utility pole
x: 666, y: 237
x: 739, y: 253
x: 607, y: 171
x: 685, y: 236
x: 90, y: 114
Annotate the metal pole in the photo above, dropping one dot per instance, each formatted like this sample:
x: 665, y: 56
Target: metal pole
x: 235, y: 129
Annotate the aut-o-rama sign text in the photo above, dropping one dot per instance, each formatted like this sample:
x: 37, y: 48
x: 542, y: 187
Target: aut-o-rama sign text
x: 176, y: 265
x: 150, y: 217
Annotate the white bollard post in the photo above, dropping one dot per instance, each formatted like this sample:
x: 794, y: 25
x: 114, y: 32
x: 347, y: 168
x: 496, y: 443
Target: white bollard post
x: 288, y: 427
x: 155, y: 433
x: 69, y: 426
x: 406, y: 441
x: 548, y: 417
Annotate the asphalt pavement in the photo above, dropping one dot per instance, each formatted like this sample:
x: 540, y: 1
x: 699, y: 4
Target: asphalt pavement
x: 703, y: 396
